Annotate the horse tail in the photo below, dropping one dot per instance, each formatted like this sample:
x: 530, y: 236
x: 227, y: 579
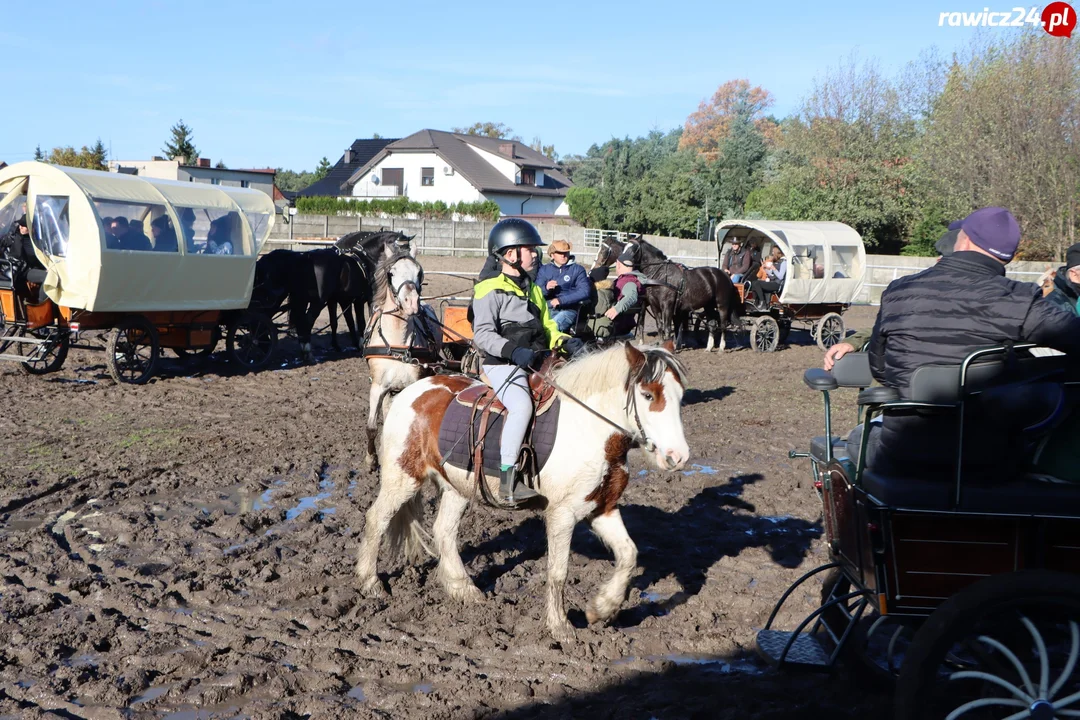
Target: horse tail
x: 407, y: 534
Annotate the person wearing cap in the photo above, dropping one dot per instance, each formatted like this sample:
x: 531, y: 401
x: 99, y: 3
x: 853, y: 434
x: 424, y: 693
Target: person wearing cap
x: 565, y: 284
x: 1066, y: 292
x: 513, y: 330
x: 618, y: 316
x: 738, y: 261
x: 944, y: 313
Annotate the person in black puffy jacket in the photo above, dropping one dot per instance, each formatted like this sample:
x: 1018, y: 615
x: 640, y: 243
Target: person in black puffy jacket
x: 944, y: 313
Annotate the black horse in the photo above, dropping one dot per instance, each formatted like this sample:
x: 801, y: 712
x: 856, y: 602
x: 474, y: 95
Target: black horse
x: 678, y: 291
x: 328, y: 277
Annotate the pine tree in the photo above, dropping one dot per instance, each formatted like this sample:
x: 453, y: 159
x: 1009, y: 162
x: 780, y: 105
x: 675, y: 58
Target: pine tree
x: 99, y: 156
x: 221, y: 165
x: 180, y: 144
x: 38, y: 155
x: 322, y: 169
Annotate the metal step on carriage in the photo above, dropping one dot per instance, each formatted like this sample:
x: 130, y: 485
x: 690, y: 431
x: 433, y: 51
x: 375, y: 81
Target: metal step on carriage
x: 826, y: 270
x: 958, y: 590
x: 181, y: 280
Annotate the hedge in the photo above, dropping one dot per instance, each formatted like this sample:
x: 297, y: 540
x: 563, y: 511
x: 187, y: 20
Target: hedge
x: 486, y: 210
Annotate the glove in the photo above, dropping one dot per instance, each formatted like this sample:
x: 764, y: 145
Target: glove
x: 523, y: 357
x: 572, y: 346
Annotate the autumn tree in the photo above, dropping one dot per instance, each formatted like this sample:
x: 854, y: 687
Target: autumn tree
x: 181, y: 143
x: 547, y: 151
x: 1006, y: 131
x: 90, y: 158
x: 707, y: 129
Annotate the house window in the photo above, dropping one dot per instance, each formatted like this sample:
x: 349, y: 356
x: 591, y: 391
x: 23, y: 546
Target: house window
x: 215, y: 181
x: 427, y: 176
x: 245, y: 183
x: 528, y: 176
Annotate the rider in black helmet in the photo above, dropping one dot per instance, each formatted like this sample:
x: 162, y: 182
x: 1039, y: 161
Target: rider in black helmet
x: 513, y: 329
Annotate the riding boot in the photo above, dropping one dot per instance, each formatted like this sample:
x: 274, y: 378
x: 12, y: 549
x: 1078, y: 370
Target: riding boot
x: 509, y: 496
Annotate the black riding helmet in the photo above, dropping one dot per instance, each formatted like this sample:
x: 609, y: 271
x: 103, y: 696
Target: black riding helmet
x: 512, y: 232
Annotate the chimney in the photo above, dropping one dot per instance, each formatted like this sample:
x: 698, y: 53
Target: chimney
x: 507, y: 149
x: 348, y: 156
x: 158, y: 158
x: 204, y: 162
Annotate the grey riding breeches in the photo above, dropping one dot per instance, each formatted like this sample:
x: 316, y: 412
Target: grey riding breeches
x: 512, y: 388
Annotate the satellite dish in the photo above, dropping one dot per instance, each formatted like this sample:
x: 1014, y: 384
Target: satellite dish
x: 375, y: 179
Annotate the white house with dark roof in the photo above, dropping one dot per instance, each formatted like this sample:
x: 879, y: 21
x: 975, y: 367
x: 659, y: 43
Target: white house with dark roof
x: 433, y: 165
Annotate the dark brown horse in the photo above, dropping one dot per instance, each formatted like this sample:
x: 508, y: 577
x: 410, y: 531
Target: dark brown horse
x: 678, y: 291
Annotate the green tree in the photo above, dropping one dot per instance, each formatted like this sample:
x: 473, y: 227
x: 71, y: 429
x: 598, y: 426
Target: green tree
x: 38, y: 155
x: 220, y: 165
x: 547, y: 151
x: 322, y: 169
x: 181, y: 143
x: 584, y: 205
x: 293, y: 181
x: 488, y: 129
x: 99, y: 156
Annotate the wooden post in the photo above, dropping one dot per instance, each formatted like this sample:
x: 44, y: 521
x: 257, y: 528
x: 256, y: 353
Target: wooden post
x: 326, y: 226
x: 423, y: 233
x: 359, y: 223
x: 453, y: 238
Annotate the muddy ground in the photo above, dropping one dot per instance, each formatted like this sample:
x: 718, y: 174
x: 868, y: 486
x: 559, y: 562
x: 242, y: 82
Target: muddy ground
x: 184, y: 550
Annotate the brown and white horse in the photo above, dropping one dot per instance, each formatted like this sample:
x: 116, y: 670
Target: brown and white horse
x: 640, y: 390
x: 398, y: 282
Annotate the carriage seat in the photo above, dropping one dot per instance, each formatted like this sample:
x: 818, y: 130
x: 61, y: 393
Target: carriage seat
x: 818, y: 448
x: 6, y: 275
x: 1017, y: 403
x: 482, y: 395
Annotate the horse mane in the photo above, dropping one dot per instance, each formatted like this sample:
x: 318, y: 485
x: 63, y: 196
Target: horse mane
x: 651, y: 249
x: 382, y: 274
x: 595, y: 370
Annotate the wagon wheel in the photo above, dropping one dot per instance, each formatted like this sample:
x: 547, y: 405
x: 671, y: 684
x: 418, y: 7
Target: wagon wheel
x: 200, y: 354
x: 54, y: 353
x: 251, y: 340
x: 829, y: 330
x: 765, y: 334
x: 1007, y: 646
x: 132, y: 351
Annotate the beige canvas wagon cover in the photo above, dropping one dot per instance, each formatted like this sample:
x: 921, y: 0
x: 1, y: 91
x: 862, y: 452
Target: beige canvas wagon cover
x: 826, y: 260
x: 87, y: 268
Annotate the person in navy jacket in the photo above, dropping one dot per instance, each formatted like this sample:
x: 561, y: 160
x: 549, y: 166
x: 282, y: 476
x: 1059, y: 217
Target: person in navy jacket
x: 565, y: 285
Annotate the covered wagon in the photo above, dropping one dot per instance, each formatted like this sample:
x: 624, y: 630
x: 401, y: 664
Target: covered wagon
x: 158, y: 263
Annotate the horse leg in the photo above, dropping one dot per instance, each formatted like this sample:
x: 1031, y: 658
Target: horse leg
x: 609, y: 527
x: 451, y: 572
x: 347, y: 313
x: 375, y: 398
x: 395, y: 504
x: 331, y: 307
x: 560, y: 523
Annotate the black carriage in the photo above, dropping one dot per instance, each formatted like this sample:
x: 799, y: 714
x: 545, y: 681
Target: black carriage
x: 960, y: 591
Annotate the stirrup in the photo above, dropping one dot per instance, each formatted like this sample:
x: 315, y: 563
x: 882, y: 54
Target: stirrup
x: 512, y: 493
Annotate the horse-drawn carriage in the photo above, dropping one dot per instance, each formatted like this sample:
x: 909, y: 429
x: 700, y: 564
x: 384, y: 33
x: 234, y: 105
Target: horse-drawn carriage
x: 961, y: 590
x: 180, y: 276
x: 826, y: 267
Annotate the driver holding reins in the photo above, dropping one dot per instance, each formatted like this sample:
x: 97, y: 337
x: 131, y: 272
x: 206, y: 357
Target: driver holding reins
x: 514, y: 330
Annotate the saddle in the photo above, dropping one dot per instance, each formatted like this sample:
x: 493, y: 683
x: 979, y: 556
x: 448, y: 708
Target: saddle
x: 482, y: 395
x: 477, y: 415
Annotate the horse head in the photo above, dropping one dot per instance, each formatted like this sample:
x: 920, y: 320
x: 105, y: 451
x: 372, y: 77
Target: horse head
x: 656, y: 383
x: 608, y: 253
x: 399, y: 278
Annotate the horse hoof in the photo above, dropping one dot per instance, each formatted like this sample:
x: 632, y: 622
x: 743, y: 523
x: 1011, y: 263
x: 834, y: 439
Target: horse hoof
x: 563, y: 634
x: 470, y: 595
x: 372, y: 463
x: 372, y: 588
x: 596, y: 612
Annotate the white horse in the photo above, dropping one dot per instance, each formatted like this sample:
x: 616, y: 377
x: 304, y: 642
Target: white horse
x: 639, y: 390
x: 398, y: 282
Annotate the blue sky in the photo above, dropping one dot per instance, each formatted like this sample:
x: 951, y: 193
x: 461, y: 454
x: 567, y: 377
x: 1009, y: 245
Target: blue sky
x: 276, y: 84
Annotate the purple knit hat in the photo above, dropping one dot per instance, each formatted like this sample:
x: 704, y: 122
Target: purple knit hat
x: 994, y: 229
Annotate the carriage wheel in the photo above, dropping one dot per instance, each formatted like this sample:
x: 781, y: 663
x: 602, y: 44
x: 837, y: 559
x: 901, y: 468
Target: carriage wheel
x: 1007, y: 646
x: 200, y: 354
x: 829, y: 330
x: 252, y: 340
x: 53, y: 352
x: 132, y: 351
x: 765, y: 333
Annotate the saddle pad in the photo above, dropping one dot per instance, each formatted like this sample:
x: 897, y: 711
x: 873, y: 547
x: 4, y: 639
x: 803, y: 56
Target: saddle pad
x: 454, y: 435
